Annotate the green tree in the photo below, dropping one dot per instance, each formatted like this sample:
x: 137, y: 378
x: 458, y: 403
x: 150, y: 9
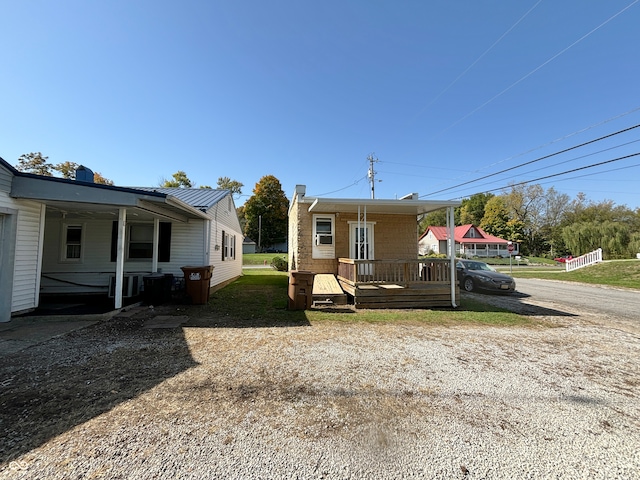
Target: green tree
x: 266, y: 213
x: 66, y: 169
x: 525, y: 204
x: 614, y: 238
x: 438, y: 218
x: 241, y: 217
x: 496, y: 218
x: 496, y: 221
x: 98, y: 178
x: 234, y: 186
x: 178, y: 180
x: 34, y: 162
x: 472, y: 208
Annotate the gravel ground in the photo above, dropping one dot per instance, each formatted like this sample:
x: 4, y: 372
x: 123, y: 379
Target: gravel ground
x: 329, y: 400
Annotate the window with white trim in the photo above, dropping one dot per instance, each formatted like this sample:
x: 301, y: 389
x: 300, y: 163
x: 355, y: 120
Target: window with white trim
x: 228, y: 246
x: 72, y: 239
x: 324, y: 236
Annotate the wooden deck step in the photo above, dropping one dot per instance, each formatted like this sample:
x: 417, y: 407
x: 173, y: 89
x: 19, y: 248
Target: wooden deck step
x: 327, y: 289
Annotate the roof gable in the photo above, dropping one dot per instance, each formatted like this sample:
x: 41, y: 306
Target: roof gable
x: 464, y: 234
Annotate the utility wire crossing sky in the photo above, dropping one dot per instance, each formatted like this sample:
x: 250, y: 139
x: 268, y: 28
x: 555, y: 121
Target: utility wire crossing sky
x: 451, y: 98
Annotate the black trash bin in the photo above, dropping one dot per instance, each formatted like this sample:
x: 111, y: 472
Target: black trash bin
x: 157, y: 288
x: 196, y: 283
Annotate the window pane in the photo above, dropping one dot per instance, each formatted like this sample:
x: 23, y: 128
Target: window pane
x: 141, y: 241
x: 74, y: 234
x: 73, y: 251
x: 141, y: 233
x: 140, y: 250
x: 323, y: 226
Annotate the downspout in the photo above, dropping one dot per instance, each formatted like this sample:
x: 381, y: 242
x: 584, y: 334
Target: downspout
x: 452, y: 254
x: 207, y: 240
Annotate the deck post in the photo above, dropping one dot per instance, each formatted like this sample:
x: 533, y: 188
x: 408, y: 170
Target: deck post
x: 122, y: 222
x: 452, y: 254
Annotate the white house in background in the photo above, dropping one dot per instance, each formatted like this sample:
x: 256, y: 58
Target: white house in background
x: 471, y: 241
x: 60, y: 236
x: 248, y: 245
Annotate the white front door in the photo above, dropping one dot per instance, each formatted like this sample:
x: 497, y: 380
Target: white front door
x: 361, y: 245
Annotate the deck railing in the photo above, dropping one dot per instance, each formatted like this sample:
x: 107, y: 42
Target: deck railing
x: 584, y: 260
x: 397, y: 272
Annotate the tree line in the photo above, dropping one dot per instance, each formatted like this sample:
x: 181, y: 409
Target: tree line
x: 549, y: 223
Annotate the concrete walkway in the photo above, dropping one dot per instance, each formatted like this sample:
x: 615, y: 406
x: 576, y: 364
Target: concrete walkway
x: 23, y: 332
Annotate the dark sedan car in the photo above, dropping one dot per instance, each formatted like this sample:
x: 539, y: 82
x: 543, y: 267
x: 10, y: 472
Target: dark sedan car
x: 474, y: 275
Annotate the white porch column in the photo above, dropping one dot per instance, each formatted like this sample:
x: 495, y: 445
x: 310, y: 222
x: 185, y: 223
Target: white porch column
x: 122, y: 223
x: 156, y: 237
x: 452, y: 254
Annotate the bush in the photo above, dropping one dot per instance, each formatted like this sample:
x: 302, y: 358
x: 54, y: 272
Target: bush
x: 279, y: 264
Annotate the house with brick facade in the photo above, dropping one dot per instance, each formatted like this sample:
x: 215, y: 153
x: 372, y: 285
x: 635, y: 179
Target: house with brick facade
x: 370, y: 246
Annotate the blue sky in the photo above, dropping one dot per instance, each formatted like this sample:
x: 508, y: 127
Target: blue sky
x: 441, y: 92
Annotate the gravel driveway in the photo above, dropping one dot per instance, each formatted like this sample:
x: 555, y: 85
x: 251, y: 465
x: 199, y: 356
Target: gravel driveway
x: 329, y: 400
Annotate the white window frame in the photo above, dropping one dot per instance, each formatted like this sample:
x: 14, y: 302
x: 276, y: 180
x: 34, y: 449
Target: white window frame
x: 319, y: 249
x: 64, y: 244
x: 228, y: 246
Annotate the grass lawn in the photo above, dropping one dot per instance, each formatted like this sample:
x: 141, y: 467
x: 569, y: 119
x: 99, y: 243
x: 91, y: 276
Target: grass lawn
x: 260, y: 258
x: 259, y: 298
x: 614, y: 273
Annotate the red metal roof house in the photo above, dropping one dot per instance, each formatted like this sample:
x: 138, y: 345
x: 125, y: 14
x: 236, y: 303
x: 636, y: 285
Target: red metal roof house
x: 471, y: 241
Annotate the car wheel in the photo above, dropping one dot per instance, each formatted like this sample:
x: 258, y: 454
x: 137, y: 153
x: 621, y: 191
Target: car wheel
x: 468, y: 284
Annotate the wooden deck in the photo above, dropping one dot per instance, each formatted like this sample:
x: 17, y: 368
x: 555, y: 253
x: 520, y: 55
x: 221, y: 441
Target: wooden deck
x: 397, y: 283
x: 326, y: 289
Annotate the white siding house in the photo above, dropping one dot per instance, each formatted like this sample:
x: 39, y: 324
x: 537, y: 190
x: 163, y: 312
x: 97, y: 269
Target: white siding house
x: 60, y: 236
x: 20, y: 249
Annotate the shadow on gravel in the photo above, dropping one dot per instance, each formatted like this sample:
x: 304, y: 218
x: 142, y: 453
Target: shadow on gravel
x: 52, y: 387
x: 516, y: 303
x: 286, y: 319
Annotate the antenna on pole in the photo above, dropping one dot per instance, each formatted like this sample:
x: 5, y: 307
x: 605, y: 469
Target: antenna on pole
x: 372, y: 174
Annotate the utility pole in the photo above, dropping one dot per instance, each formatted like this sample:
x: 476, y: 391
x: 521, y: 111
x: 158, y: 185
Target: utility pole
x: 372, y: 174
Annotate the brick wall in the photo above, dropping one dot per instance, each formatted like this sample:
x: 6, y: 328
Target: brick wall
x: 395, y: 237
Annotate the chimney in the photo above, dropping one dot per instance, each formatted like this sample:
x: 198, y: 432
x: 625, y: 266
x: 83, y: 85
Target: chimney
x: 300, y: 191
x: 84, y: 174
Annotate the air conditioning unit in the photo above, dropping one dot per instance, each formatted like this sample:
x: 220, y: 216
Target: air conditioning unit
x: 131, y: 286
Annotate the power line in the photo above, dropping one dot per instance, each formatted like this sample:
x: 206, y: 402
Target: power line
x: 479, y: 58
x: 569, y: 135
x: 538, y: 68
x: 566, y: 172
x: 564, y: 137
x: 534, y: 160
x: 570, y: 160
x: 343, y: 188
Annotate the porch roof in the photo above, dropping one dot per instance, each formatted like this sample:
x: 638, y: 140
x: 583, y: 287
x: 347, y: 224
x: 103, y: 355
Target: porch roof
x: 385, y: 206
x: 92, y: 199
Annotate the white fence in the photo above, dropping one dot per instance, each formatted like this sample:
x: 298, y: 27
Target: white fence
x: 585, y: 260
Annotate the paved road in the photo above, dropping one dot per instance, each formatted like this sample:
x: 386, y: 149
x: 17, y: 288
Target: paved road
x: 589, y: 298
x: 607, y: 307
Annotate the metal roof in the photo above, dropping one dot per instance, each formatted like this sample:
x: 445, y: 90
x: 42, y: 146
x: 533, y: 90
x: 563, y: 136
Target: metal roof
x: 200, y: 198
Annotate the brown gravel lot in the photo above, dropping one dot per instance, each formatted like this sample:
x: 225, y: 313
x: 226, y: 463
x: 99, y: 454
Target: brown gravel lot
x: 325, y: 400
